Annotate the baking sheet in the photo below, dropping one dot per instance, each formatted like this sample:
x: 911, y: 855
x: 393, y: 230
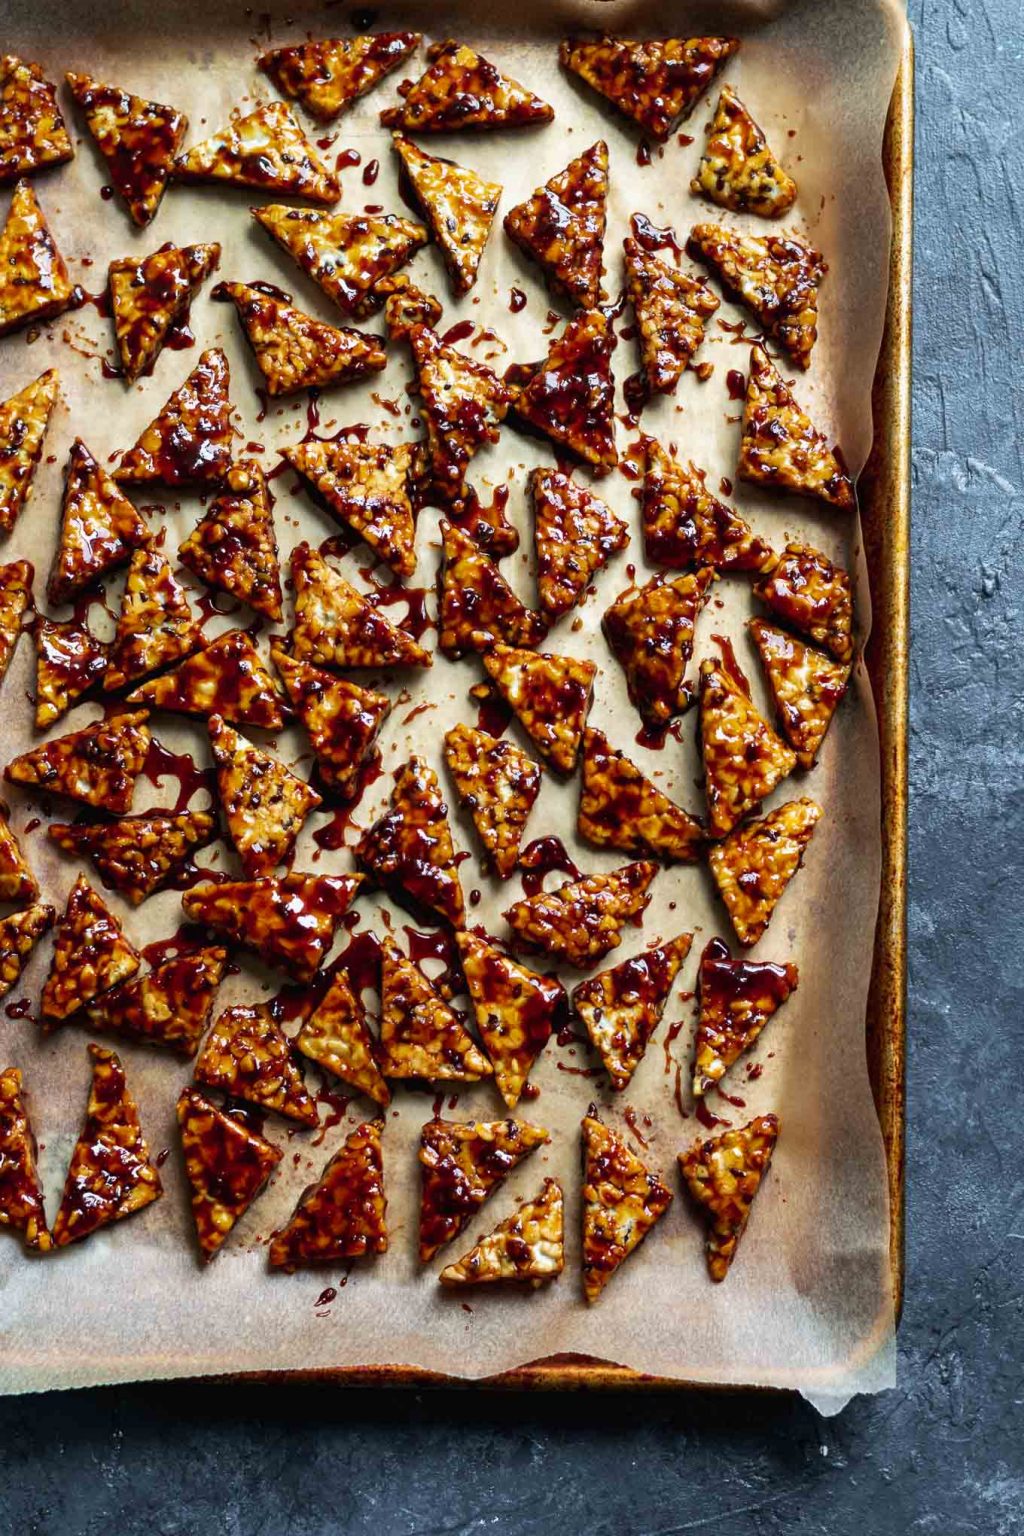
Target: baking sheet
x: 807, y: 1304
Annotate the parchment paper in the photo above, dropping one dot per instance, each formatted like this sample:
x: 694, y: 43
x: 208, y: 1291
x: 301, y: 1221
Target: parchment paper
x: 807, y: 1303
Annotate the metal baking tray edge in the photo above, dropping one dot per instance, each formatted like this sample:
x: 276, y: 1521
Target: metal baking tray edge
x: 884, y: 495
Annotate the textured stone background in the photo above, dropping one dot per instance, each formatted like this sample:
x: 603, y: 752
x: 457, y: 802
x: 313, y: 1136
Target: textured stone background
x: 942, y: 1453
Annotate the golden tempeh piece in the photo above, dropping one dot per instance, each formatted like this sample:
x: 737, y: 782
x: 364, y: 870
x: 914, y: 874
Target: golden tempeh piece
x: 138, y: 139
x: 21, y: 1192
x: 156, y: 625
x: 342, y: 1215
x: 684, y: 525
x: 110, y: 1176
x: 516, y: 1011
x: 139, y: 854
x: 807, y: 687
x: 575, y: 534
x: 753, y: 865
x: 227, y: 1164
x: 336, y: 1037
x: 24, y: 419
x: 570, y: 397
x: 583, y: 919
x: 169, y: 1006
x: 289, y: 920
x: 151, y: 298
x: 550, y: 696
x: 421, y: 1037
x: 650, y: 629
x: 781, y: 448
x: 463, y: 1165
x: 227, y: 677
x: 808, y: 593
x: 409, y: 850
x: 621, y: 808
x: 737, y: 999
x: 265, y: 805
x: 723, y: 1175
x: 743, y: 757
x: 529, y: 1246
x: 776, y: 277
x: 341, y: 719
x: 351, y: 256
x: 458, y: 205
x: 329, y: 75
x: 265, y: 149
x: 99, y: 527
x: 561, y: 227
x: 33, y: 134
x: 738, y: 169
x: 476, y: 605
x: 622, y: 1007
x: 34, y: 280
x: 461, y: 89
x: 622, y: 1201
x: 336, y: 626
x: 248, y: 1055
x: 653, y: 83
x: 671, y: 309
x: 189, y: 441
x: 498, y: 784
x: 293, y: 350
x: 97, y: 765
x: 369, y: 488
x: 19, y: 934
x: 90, y: 955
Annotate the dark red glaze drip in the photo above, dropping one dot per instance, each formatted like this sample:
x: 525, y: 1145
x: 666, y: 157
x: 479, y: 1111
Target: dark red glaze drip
x: 106, y: 193
x: 21, y: 1009
x: 643, y: 155
x: 461, y: 331
x: 346, y: 158
x: 516, y: 300
x: 707, y: 1116
x: 328, y: 1294
x: 337, y: 1106
x: 331, y: 836
x: 653, y: 238
x: 730, y: 664
x: 493, y: 715
x: 736, y: 384
x: 416, y: 621
x: 370, y: 173
x: 725, y: 486
x: 545, y: 856
x: 436, y: 944
x: 161, y: 763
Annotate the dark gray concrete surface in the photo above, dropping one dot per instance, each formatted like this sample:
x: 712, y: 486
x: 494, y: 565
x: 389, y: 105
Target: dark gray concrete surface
x: 941, y: 1454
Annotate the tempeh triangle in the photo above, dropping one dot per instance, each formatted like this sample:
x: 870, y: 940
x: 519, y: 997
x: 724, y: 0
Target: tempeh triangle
x: 583, y: 919
x: 549, y: 695
x: 421, y: 1036
x: 516, y: 1010
x: 458, y: 205
x: 622, y: 1201
x: 328, y: 75
x: 97, y: 765
x: 295, y: 351
x: 575, y: 534
x: 776, y: 277
x: 806, y: 592
x: 150, y: 300
x: 743, y: 757
x: 227, y: 1164
x: 169, y: 1006
x: 653, y: 83
x: 34, y: 280
x: 498, y: 784
x: 342, y: 1215
x: 463, y: 405
x: 137, y: 138
x: 753, y: 865
x: 337, y: 626
x: 189, y: 442
x: 651, y: 632
x: 529, y: 1246
x: 90, y: 955
x: 336, y: 1037
x: 99, y: 527
x: 233, y: 548
x: 140, y: 854
x: 69, y: 662
x: 622, y: 1007
x: 477, y: 607
x: 227, y: 677
x: 24, y: 419
x: 570, y: 397
x: 111, y: 1175
x: 723, y: 1175
x: 33, y: 134
x: 671, y: 310
x: 806, y: 686
x: 21, y: 1190
x: 409, y: 850
x: 15, y: 596
x: 737, y: 999
x: 561, y: 227
x: 368, y: 487
x: 351, y: 256
x: 341, y: 719
x: 289, y: 920
x: 685, y: 526
x: 248, y: 1055
x: 265, y: 149
x: 737, y: 169
x: 17, y: 882
x: 265, y: 805
x: 19, y: 934
x: 463, y: 1165
x: 621, y: 808
x: 461, y: 89
x: 156, y: 625
x: 781, y: 448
